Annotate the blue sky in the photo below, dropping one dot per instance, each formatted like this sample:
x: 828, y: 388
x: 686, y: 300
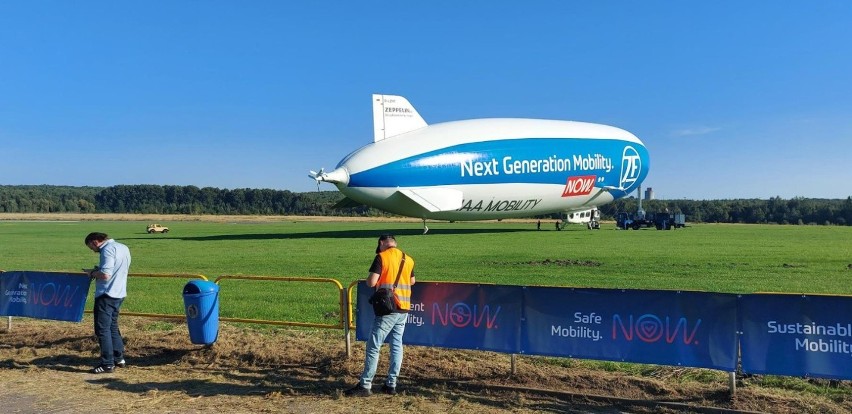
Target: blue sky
x: 732, y: 99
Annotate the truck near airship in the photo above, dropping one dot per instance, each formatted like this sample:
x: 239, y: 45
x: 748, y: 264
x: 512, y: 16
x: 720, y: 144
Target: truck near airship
x: 491, y: 168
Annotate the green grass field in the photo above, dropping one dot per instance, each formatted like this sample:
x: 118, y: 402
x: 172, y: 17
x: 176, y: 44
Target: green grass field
x: 718, y: 258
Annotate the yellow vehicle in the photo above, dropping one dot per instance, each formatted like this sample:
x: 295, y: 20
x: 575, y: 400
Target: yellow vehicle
x: 156, y: 228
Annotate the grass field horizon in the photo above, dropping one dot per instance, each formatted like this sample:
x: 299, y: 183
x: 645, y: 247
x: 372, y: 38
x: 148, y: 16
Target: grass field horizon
x: 703, y: 257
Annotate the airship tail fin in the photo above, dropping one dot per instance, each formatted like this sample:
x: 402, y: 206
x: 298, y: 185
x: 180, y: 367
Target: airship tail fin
x: 394, y: 115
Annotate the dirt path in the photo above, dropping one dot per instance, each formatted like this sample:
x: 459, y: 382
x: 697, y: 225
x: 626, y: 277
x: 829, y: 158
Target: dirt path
x: 44, y: 368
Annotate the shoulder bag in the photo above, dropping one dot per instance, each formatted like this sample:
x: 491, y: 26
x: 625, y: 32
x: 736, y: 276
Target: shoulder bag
x: 383, y: 300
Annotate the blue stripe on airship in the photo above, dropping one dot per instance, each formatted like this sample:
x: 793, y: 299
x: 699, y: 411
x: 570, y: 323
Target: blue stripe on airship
x: 530, y: 160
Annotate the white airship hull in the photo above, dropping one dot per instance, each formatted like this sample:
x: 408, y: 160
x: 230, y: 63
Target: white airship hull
x: 488, y: 168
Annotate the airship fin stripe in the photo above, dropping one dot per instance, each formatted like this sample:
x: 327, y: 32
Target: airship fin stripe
x: 394, y: 115
x: 434, y: 199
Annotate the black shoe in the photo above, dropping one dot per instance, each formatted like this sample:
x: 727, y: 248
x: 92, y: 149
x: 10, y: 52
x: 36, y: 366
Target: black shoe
x: 388, y: 389
x: 121, y: 364
x: 103, y: 369
x: 358, y: 391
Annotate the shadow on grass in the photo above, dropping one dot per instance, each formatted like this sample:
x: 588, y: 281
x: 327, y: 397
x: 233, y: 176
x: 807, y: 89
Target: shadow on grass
x: 79, y: 353
x: 72, y: 363
x: 307, y: 381
x: 343, y: 234
x: 235, y: 382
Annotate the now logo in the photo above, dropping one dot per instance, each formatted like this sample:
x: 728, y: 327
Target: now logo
x: 651, y: 328
x: 462, y: 315
x: 54, y: 294
x: 578, y: 186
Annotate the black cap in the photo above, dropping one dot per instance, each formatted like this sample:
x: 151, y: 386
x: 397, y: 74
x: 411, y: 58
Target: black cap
x: 382, y: 238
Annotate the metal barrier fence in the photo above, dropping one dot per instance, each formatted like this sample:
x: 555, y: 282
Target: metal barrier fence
x: 143, y: 314
x: 158, y: 275
x: 466, y: 306
x: 344, y: 321
x: 350, y: 316
x: 341, y: 322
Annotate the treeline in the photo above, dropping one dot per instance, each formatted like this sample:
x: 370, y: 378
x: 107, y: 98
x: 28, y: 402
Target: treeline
x: 47, y: 199
x: 169, y: 199
x: 155, y: 199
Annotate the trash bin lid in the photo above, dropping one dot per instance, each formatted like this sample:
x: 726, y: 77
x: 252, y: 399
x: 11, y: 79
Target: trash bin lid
x: 200, y: 286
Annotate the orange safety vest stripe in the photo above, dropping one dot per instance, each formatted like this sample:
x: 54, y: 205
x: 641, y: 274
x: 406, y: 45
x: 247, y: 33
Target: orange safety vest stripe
x: 390, y: 265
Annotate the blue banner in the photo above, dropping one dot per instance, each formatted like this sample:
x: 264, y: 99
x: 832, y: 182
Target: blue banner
x: 797, y: 335
x: 695, y: 329
x: 455, y: 315
x: 42, y: 295
x: 794, y: 335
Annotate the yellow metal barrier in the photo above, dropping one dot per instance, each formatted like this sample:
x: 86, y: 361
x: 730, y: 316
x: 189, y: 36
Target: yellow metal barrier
x: 350, y: 323
x: 158, y: 315
x: 343, y: 315
x: 173, y: 276
x: 345, y: 322
x: 350, y: 313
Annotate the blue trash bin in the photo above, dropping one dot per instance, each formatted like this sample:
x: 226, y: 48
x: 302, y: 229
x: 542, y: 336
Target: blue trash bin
x: 201, y: 303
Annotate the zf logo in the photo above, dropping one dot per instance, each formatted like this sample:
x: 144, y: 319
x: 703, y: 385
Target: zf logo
x: 577, y: 186
x: 631, y: 166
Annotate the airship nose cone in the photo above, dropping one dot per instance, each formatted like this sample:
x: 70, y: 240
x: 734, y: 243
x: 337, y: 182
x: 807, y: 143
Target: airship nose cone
x: 338, y: 176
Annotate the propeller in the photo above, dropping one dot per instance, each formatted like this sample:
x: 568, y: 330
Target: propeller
x: 317, y: 175
x: 338, y: 176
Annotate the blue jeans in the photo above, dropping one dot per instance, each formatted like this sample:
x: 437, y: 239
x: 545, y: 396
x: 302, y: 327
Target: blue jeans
x: 106, y: 329
x: 393, y: 324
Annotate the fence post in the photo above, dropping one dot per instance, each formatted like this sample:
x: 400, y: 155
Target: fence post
x: 732, y: 383
x: 346, y: 316
x: 8, y: 322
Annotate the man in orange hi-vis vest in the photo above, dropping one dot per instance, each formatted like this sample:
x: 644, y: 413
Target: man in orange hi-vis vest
x: 391, y: 269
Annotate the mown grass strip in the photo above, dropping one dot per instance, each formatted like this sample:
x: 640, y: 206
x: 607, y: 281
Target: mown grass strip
x: 717, y: 258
